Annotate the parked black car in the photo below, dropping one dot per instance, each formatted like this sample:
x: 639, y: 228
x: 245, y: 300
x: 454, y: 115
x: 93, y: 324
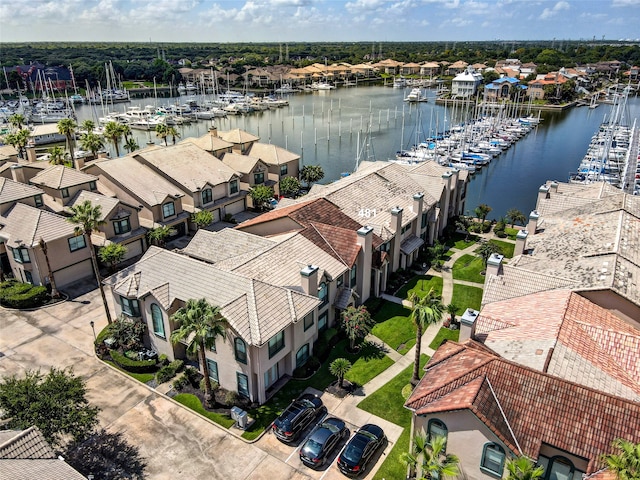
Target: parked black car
x: 322, y: 441
x: 297, y: 417
x: 362, y: 446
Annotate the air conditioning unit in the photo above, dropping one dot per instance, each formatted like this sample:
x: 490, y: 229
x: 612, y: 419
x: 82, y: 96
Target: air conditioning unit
x: 240, y: 416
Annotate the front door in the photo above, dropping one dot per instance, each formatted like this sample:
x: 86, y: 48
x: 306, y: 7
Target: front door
x: 271, y: 376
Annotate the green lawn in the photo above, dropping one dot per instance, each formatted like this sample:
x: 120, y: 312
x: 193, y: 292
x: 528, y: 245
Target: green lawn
x: 458, y: 241
x: 468, y: 268
x: 387, y: 402
x: 367, y: 364
x: 421, y: 284
x: 506, y: 247
x: 444, y: 334
x: 397, y: 330
x: 466, y: 297
x: 511, y: 233
x: 193, y: 402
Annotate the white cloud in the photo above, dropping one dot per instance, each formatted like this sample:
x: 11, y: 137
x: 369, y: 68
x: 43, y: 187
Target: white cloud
x: 551, y: 12
x: 625, y: 3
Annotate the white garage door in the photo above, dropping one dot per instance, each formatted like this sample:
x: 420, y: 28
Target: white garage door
x: 216, y: 215
x: 73, y: 273
x: 235, y: 207
x: 133, y: 249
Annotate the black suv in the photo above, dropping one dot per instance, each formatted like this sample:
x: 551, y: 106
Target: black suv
x: 297, y: 417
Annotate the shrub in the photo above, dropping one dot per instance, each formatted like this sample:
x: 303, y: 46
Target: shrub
x: 180, y: 382
x: 214, y: 385
x: 14, y: 294
x: 229, y: 218
x: 167, y: 372
x: 193, y: 376
x: 127, y: 333
x: 230, y: 398
x: 134, y: 366
x: 177, y: 365
x: 162, y: 359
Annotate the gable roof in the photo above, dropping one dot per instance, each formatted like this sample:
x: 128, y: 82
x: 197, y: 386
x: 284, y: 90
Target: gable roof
x: 24, y: 444
x: 272, y: 154
x: 226, y: 244
x: 107, y: 204
x: 564, y: 334
x: 523, y: 407
x: 241, y: 163
x: 237, y: 136
x: 256, y: 310
x: 59, y: 176
x: 11, y: 191
x: 208, y: 142
x: 24, y: 226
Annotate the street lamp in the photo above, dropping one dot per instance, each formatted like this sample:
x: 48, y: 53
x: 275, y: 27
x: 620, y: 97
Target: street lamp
x: 93, y: 327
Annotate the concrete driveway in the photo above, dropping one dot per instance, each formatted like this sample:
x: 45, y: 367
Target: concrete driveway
x: 175, y: 442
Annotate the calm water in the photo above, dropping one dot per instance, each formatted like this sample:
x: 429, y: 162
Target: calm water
x: 335, y: 128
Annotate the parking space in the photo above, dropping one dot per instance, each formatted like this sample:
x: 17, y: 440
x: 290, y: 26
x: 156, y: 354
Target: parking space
x: 354, y: 418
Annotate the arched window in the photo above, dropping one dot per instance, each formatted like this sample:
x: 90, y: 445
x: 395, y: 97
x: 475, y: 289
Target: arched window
x: 157, y: 320
x: 437, y: 428
x: 241, y: 350
x: 302, y: 355
x: 323, y: 294
x: 493, y: 457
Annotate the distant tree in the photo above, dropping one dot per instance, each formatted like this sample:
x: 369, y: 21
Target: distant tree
x: 114, y: 132
x: 202, y: 219
x: 339, y: 368
x: 19, y: 140
x: 522, y: 468
x: 107, y: 456
x: 88, y: 126
x: 482, y: 211
x: 490, y: 76
x: 162, y: 131
x: 17, y: 120
x: 485, y: 250
x: 56, y: 403
x: 516, y: 216
x: 626, y: 463
x: 68, y: 127
x: 131, y: 145
x: 112, y: 255
x: 311, y: 174
x: 289, y: 186
x: 425, y: 311
x: 357, y: 323
x: 57, y: 155
x: 91, y: 142
x: 261, y: 194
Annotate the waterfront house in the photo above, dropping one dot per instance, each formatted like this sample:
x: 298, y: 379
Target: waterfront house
x: 501, y: 88
x: 12, y: 192
x: 363, y: 70
x: 240, y: 140
x: 61, y: 184
x: 388, y: 66
x: 270, y: 329
x: 211, y: 142
x: 45, y: 134
x: 536, y: 88
x: 466, y: 84
x: 280, y: 162
x: 22, y: 227
x: 430, y: 69
x: 490, y: 409
x: 457, y: 68
x: 410, y: 69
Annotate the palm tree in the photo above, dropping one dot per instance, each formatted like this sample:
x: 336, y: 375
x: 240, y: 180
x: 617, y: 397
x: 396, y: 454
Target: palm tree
x: 516, y: 216
x: 202, y: 218
x: 88, y: 126
x: 57, y: 155
x: 482, y: 211
x: 626, y: 464
x: 114, y: 131
x: 92, y: 142
x: 201, y: 323
x: 161, y: 132
x: 425, y: 311
x: 451, y: 310
x: 430, y: 459
x: 17, y: 120
x: 126, y: 131
x: 339, y: 368
x: 486, y: 250
x: 463, y: 224
x: 131, y: 145
x: 19, y: 141
x: 173, y: 133
x: 521, y: 468
x: 67, y: 127
x: 88, y: 218
x: 52, y: 281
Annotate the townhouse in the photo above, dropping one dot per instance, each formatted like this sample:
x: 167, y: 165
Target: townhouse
x: 61, y: 184
x: 280, y: 162
x: 465, y: 84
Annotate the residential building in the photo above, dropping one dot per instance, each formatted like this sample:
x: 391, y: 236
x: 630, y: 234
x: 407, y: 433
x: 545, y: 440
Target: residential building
x: 388, y: 66
x: 23, y: 227
x: 430, y: 69
x: 12, y: 192
x: 270, y: 329
x: 410, y: 69
x: 252, y: 171
x: 490, y: 409
x: 501, y: 88
x: 61, y: 184
x: 457, y: 68
x: 241, y: 140
x: 466, y: 84
x: 210, y: 142
x: 536, y: 88
x: 281, y: 163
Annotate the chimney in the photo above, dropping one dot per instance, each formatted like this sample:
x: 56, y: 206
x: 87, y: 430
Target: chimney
x: 103, y: 155
x: 533, y: 222
x: 309, y: 280
x: 31, y: 154
x: 543, y: 192
x: 468, y: 324
x: 418, y: 205
x: 396, y: 225
x: 213, y: 131
x: 365, y: 240
x: 17, y: 174
x: 444, y: 210
x: 494, y: 265
x: 553, y: 187
x: 79, y: 163
x: 521, y: 242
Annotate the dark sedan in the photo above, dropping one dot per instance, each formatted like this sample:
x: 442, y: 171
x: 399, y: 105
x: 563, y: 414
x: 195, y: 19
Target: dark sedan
x: 363, y: 445
x: 322, y: 441
x: 297, y: 417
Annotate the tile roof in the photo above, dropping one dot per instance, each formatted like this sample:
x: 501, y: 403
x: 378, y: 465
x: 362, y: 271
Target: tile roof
x: 341, y: 243
x: 272, y: 154
x: 25, y: 444
x: 240, y: 163
x: 49, y: 469
x: 138, y: 179
x: 11, y: 191
x: 24, y: 225
x: 523, y: 407
x: 226, y: 244
x: 237, y: 136
x: 255, y: 310
x: 107, y: 204
x: 189, y: 165
x: 59, y: 176
x: 208, y: 142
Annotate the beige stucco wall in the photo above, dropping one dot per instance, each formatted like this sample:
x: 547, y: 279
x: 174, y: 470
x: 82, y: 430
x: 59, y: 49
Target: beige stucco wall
x: 274, y: 227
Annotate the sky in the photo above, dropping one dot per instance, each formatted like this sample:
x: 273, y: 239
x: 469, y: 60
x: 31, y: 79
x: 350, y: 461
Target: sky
x: 224, y: 21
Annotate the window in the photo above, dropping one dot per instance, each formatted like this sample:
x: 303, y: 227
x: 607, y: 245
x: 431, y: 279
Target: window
x: 130, y: 306
x: 284, y: 169
x: 65, y: 192
x: 122, y: 226
x: 243, y: 384
x: 493, y: 458
x: 241, y: 350
x: 558, y: 468
x: 302, y: 355
x: 258, y: 178
x: 405, y: 228
x: 385, y: 247
x: 213, y: 370
x: 323, y: 292
x: 308, y: 321
x: 233, y: 187
x: 157, y: 320
x: 38, y: 200
x: 353, y: 276
x: 21, y: 255
x: 436, y: 428
x: 213, y: 346
x: 276, y: 343
x: 322, y: 321
x: 339, y: 281
x: 207, y: 196
x: 92, y: 186
x: 425, y: 219
x: 76, y: 243
x: 168, y: 209
x: 28, y: 277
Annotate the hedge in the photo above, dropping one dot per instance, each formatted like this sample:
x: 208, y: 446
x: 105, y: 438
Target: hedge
x: 14, y: 294
x: 167, y: 372
x: 135, y: 366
